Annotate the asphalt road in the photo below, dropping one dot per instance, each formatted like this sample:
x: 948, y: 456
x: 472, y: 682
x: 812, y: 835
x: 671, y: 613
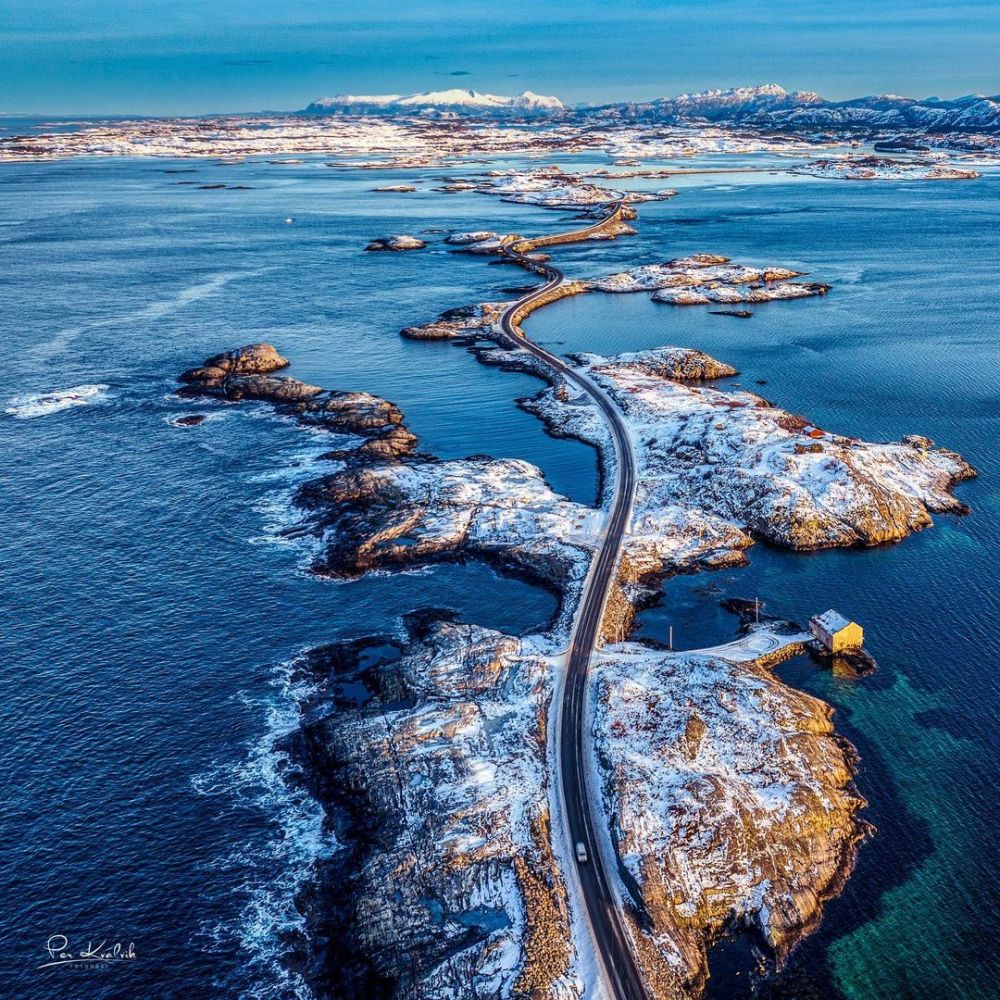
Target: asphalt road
x: 603, y: 910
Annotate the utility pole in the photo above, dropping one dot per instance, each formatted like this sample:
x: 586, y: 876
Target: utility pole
x: 756, y: 610
x: 671, y: 642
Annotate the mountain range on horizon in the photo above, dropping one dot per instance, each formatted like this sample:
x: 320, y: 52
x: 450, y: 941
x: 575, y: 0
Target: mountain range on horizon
x: 765, y: 106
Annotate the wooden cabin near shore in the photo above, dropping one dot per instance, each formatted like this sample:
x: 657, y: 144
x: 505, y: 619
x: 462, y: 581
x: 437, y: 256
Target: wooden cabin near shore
x: 836, y: 632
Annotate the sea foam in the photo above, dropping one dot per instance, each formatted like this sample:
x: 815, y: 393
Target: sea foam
x: 41, y: 404
x: 277, y: 868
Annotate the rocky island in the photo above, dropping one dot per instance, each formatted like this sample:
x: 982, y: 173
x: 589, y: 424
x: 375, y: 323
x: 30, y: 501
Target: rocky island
x: 245, y: 373
x: 876, y: 168
x: 396, y: 243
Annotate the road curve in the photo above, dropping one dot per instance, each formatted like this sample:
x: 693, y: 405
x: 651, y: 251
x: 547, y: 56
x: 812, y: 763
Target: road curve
x: 604, y: 912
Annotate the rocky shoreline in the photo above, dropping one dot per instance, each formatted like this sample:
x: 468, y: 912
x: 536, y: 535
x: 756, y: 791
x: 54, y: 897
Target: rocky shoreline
x: 446, y: 854
x: 731, y: 799
x: 436, y: 777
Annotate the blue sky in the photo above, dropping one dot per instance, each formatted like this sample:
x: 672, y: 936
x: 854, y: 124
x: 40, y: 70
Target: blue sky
x: 190, y: 56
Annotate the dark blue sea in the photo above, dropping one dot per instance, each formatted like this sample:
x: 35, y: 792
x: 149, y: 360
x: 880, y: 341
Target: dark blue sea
x: 150, y: 611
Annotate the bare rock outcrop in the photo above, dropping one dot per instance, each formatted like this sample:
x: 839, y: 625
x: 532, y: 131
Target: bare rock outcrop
x: 243, y: 374
x: 252, y: 359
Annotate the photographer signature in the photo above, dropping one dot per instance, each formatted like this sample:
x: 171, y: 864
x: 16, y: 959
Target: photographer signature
x: 59, y: 953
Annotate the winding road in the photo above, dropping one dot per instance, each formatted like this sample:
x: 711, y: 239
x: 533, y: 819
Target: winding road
x: 605, y: 914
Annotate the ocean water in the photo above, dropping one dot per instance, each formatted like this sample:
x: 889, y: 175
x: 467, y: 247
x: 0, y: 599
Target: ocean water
x: 150, y: 611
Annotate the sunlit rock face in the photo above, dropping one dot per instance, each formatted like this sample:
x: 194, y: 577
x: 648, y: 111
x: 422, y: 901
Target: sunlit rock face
x: 731, y: 800
x: 244, y: 374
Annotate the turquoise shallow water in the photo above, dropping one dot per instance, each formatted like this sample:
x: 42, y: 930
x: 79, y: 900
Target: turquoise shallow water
x: 150, y: 613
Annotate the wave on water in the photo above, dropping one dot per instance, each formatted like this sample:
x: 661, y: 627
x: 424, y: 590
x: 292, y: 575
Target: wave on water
x: 277, y: 509
x: 269, y: 922
x: 41, y: 404
x: 277, y: 869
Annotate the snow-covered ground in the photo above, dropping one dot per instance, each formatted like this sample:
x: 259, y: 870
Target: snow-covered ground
x: 401, y: 514
x: 630, y: 142
x: 370, y: 132
x: 872, y: 168
x: 706, y: 278
x: 733, y: 458
x: 460, y: 897
x: 730, y: 794
x: 551, y: 187
x: 478, y: 320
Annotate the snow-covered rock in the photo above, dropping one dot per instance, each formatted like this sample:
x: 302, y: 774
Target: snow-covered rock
x: 552, y: 187
x: 734, y: 456
x: 729, y: 792
x: 395, y: 243
x: 698, y: 270
x: 464, y: 321
x: 412, y: 514
x: 731, y: 798
x: 776, y: 291
x: 772, y: 107
x: 680, y: 364
x: 870, y: 168
x: 451, y: 886
x: 462, y: 239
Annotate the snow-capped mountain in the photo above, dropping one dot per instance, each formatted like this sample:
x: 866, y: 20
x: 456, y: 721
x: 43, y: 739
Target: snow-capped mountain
x: 714, y: 104
x: 771, y: 106
x: 768, y: 106
x: 467, y: 101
